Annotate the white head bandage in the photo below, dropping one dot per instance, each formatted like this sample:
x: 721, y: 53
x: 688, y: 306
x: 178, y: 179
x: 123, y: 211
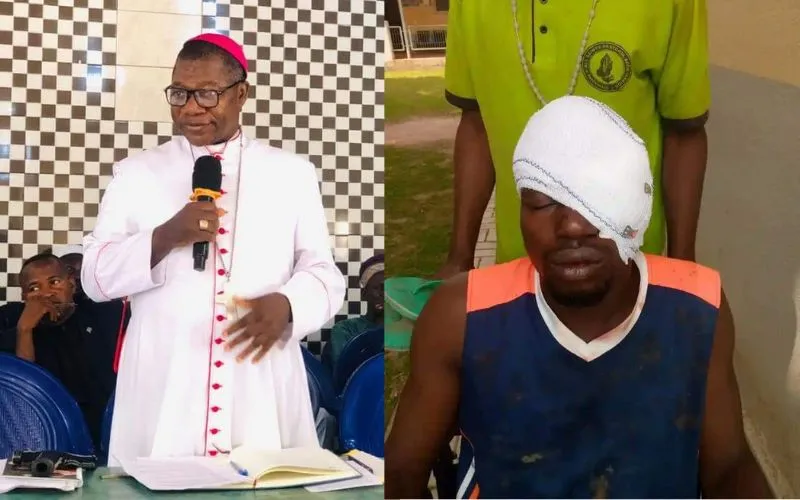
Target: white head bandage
x: 583, y: 155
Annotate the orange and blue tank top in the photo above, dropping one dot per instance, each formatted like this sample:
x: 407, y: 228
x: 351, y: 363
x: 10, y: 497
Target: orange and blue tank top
x: 539, y: 421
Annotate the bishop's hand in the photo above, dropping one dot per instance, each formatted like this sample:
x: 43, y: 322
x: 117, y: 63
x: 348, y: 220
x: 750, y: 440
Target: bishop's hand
x: 262, y: 326
x: 195, y: 222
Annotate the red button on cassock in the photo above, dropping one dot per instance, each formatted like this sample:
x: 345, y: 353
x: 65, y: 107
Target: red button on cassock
x: 214, y: 431
x: 213, y: 453
x: 218, y: 364
x: 222, y: 191
x: 221, y: 272
x: 218, y: 341
x: 215, y: 409
x: 220, y: 317
x: 216, y: 386
x: 223, y: 250
x: 222, y: 230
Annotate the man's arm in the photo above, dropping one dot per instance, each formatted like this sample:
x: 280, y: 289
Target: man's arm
x: 727, y: 466
x: 684, y: 171
x: 428, y: 406
x: 473, y: 182
x: 317, y: 288
x: 117, y: 256
x: 24, y: 347
x: 473, y: 169
x: 684, y: 98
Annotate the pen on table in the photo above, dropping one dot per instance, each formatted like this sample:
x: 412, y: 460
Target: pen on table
x: 241, y: 470
x: 238, y: 468
x: 359, y: 462
x: 114, y: 475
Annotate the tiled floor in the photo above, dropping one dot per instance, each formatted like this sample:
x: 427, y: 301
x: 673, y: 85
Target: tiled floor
x: 487, y: 239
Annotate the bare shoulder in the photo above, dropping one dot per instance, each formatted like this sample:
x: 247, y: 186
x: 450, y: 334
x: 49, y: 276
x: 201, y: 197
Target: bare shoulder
x: 439, y: 330
x: 450, y: 298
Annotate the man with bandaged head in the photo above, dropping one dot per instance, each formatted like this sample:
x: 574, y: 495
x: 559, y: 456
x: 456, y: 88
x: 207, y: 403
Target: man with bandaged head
x: 586, y: 369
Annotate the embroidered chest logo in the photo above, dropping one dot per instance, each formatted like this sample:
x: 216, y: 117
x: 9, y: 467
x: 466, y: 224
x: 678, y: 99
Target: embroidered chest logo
x: 606, y: 66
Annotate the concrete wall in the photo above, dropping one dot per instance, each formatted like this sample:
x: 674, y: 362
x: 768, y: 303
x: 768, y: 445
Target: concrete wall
x: 750, y: 224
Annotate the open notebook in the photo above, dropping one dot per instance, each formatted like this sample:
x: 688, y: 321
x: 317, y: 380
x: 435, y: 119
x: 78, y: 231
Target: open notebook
x: 370, y: 467
x: 243, y: 468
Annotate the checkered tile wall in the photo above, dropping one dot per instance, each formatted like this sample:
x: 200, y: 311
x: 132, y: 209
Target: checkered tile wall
x: 317, y: 76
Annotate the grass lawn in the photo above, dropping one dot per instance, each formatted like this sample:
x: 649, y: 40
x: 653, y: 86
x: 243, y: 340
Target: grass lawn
x: 419, y: 208
x: 415, y: 93
x: 419, y: 214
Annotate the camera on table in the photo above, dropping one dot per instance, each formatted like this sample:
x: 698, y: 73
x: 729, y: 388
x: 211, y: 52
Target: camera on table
x: 44, y: 463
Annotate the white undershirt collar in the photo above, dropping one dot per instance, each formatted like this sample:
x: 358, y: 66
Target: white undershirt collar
x: 589, y: 351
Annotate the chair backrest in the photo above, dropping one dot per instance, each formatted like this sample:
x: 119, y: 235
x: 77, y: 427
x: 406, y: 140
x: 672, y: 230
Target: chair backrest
x: 38, y: 413
x: 326, y: 358
x: 361, y: 423
x: 357, y: 350
x: 313, y: 392
x: 105, y: 430
x: 319, y: 377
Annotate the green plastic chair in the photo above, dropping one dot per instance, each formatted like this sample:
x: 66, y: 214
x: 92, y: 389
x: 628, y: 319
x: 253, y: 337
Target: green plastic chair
x: 404, y: 299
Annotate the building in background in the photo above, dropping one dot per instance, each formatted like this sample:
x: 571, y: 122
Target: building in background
x: 418, y: 28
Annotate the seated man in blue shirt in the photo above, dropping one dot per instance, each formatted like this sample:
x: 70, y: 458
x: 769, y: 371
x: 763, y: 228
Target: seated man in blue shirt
x: 370, y: 277
x: 71, y: 337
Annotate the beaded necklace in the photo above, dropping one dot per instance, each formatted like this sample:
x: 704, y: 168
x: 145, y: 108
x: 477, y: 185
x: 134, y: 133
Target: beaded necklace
x: 526, y: 65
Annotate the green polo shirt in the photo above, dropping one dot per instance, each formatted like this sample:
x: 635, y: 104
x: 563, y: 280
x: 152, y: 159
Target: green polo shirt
x: 646, y: 60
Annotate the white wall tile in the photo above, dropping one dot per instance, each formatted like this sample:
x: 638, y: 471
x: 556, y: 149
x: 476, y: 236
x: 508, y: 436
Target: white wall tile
x: 151, y: 39
x: 140, y: 93
x: 191, y: 7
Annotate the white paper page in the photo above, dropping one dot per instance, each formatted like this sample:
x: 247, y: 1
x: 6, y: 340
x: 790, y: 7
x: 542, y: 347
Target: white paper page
x: 256, y: 461
x: 8, y: 483
x: 367, y: 479
x: 5, y: 484
x: 189, y: 473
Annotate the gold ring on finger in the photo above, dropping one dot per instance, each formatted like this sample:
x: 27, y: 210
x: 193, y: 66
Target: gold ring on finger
x: 203, y: 224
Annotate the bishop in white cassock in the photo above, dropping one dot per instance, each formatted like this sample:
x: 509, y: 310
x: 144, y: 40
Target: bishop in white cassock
x: 179, y: 391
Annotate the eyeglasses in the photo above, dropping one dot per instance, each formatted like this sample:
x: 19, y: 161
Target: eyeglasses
x: 205, y: 98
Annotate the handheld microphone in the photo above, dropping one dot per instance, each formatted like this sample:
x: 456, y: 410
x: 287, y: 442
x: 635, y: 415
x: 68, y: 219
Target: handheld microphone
x: 206, y: 186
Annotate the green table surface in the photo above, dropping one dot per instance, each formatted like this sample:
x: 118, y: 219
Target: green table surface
x: 94, y: 487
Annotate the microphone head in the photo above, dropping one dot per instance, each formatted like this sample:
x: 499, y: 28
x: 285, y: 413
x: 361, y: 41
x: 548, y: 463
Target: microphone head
x: 207, y: 173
